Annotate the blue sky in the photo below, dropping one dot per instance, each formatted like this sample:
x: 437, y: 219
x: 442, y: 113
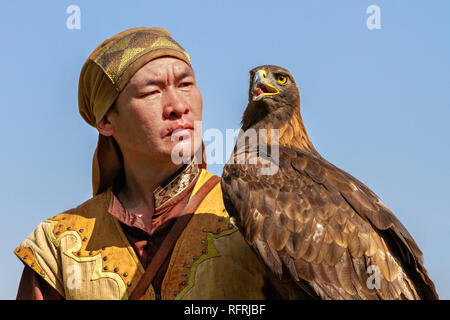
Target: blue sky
x: 374, y: 102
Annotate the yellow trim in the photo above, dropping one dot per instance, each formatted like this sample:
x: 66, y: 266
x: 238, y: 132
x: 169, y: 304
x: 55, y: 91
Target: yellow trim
x: 98, y: 272
x: 212, y: 252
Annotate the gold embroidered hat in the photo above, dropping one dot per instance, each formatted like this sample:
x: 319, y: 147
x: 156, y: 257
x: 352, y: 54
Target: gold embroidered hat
x: 104, y: 75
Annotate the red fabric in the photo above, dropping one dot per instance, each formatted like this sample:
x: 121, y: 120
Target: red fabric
x: 34, y: 287
x: 144, y: 242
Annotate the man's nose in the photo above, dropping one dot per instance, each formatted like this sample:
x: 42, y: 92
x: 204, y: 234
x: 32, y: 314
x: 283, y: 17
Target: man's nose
x: 175, y: 104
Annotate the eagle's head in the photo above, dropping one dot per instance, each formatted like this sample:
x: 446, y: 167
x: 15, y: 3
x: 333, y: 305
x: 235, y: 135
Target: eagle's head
x: 272, y: 91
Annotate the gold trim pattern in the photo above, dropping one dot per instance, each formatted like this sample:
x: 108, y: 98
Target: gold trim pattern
x: 124, y: 51
x: 178, y: 184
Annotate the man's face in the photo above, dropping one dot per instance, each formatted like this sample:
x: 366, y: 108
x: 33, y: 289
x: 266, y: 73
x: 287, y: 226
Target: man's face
x: 157, y: 107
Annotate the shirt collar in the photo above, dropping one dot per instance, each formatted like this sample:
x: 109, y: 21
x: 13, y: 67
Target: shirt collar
x: 167, y: 192
x: 164, y: 194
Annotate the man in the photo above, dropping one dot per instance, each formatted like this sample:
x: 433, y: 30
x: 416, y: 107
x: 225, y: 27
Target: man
x: 155, y: 228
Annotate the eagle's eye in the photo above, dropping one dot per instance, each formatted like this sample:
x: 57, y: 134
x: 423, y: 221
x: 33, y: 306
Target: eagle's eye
x: 281, y: 79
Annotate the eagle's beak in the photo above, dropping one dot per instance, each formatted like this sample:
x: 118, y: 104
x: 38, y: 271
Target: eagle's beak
x: 261, y: 87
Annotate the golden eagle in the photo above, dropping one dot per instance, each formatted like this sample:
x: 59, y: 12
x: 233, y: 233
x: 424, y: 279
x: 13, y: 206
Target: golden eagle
x: 322, y: 233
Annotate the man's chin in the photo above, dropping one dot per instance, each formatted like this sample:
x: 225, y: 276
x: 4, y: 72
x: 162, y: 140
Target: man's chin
x: 182, y: 151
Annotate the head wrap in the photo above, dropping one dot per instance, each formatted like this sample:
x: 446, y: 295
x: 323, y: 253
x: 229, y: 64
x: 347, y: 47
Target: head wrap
x: 104, y: 75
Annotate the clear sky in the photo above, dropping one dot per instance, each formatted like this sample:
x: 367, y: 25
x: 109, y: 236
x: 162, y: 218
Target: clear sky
x: 375, y: 102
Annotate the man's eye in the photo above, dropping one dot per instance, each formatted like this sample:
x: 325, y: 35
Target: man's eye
x: 185, y: 84
x: 150, y: 93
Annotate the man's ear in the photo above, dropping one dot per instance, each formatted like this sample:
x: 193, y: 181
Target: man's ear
x: 105, y: 126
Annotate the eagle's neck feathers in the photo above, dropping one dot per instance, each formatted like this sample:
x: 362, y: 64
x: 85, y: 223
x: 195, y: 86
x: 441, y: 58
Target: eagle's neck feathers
x: 292, y: 132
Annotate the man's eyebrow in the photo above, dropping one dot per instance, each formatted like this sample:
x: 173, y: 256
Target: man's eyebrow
x: 153, y: 81
x: 186, y: 73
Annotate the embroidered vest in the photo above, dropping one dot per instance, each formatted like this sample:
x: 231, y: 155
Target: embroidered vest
x: 84, y: 254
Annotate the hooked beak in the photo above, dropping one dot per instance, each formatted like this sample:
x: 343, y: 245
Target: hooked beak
x: 261, y: 87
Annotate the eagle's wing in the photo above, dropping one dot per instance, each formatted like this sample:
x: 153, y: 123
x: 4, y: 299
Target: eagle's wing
x: 313, y: 222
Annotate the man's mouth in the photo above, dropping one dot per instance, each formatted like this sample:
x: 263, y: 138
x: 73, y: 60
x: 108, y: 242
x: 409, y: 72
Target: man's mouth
x: 180, y: 132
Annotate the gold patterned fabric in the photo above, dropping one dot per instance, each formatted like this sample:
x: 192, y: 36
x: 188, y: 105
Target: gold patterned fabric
x: 104, y: 75
x: 176, y: 186
x: 123, y: 52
